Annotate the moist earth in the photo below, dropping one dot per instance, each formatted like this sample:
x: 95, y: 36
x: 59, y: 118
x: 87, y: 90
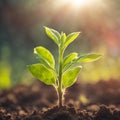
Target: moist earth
x: 39, y: 102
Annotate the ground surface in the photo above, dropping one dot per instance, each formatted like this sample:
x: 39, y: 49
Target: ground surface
x: 39, y: 102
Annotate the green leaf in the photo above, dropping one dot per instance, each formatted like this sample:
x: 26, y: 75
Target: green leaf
x: 68, y: 59
x: 43, y: 73
x: 69, y: 77
x: 53, y: 34
x: 70, y: 38
x: 44, y: 56
x: 88, y: 57
x: 63, y: 38
x: 83, y: 58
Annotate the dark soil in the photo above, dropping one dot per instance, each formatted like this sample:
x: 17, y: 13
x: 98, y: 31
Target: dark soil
x: 39, y: 102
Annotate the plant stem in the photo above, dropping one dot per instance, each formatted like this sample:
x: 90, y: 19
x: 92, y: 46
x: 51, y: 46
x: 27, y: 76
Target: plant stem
x: 59, y: 90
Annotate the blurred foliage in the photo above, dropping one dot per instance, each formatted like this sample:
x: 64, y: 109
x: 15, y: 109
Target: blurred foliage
x: 5, y: 72
x: 21, y: 29
x: 5, y: 69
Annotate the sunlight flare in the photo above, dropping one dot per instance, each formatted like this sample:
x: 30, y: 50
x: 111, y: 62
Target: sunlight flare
x: 78, y: 3
x: 83, y: 3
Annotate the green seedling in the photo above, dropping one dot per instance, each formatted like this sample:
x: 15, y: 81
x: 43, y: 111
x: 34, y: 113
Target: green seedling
x: 65, y: 73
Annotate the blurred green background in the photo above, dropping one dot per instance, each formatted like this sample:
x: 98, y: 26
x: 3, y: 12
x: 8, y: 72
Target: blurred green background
x: 21, y: 29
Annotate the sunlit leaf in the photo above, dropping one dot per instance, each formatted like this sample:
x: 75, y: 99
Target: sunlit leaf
x: 53, y: 34
x: 63, y: 38
x: 43, y: 73
x: 88, y: 57
x: 44, y: 56
x: 68, y: 59
x: 69, y: 77
x: 56, y: 33
x: 70, y: 38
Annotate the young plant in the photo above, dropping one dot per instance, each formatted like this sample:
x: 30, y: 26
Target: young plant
x: 66, y: 73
